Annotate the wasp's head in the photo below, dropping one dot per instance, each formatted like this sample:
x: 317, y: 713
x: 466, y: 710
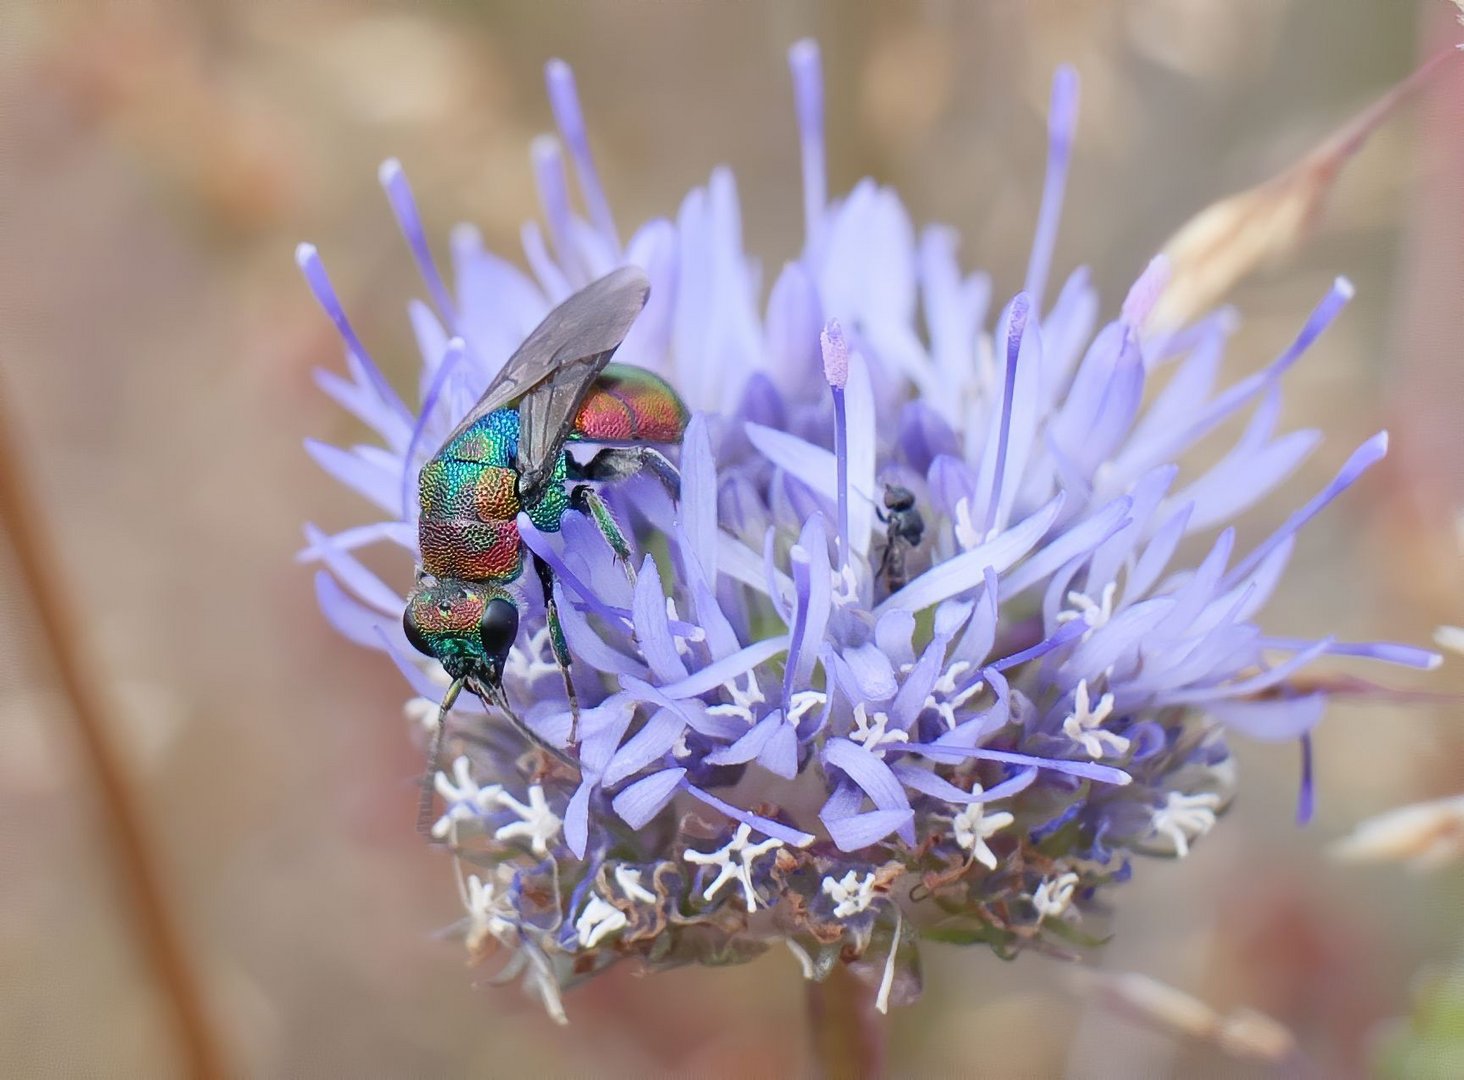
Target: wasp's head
x: 469, y: 628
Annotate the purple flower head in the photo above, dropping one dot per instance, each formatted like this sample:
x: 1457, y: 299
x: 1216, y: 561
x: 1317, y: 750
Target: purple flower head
x: 912, y: 654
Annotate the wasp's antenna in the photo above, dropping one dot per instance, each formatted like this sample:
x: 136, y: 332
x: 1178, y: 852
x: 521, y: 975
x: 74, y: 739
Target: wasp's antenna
x: 499, y: 700
x: 424, y: 800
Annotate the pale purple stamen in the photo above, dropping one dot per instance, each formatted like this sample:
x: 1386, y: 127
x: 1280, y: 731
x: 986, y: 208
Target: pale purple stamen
x: 807, y: 68
x: 307, y: 258
x: 1062, y: 120
x: 393, y: 181
x: 836, y: 371
x: 564, y: 100
x: 1016, y: 327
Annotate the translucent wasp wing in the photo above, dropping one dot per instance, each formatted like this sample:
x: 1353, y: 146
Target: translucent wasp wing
x: 552, y: 371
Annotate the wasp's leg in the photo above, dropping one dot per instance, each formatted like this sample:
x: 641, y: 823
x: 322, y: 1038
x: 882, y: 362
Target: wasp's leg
x: 558, y: 644
x: 622, y: 462
x: 887, y: 560
x: 592, y: 504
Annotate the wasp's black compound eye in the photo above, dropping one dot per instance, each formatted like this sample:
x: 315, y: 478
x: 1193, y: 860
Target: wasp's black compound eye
x: 898, y: 498
x: 414, y: 633
x: 498, y: 628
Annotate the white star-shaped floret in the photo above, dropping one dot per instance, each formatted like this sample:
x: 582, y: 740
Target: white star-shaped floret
x: 1182, y: 818
x: 599, y: 919
x: 869, y: 731
x: 951, y: 697
x: 464, y: 798
x: 850, y: 894
x: 536, y: 821
x: 1085, y: 724
x: 973, y: 825
x: 629, y: 881
x: 743, y: 699
x: 490, y: 908
x: 1095, y: 613
x: 735, y: 861
x: 1053, y: 897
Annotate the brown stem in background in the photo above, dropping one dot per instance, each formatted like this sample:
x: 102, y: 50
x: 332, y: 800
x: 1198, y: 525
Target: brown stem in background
x: 848, y: 1032
x: 121, y: 817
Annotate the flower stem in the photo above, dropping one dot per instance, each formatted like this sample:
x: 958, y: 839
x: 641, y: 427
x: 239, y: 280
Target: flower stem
x: 121, y: 819
x: 848, y: 1032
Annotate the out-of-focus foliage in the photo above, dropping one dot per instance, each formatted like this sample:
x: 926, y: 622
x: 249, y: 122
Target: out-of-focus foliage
x: 1429, y: 1044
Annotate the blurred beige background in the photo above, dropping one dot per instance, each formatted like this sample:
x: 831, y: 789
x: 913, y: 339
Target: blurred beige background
x: 158, y: 163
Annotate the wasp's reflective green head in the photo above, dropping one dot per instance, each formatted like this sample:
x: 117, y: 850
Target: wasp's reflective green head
x: 468, y: 627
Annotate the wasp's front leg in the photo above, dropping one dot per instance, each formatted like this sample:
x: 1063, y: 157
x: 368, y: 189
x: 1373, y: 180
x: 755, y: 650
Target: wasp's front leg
x: 558, y: 644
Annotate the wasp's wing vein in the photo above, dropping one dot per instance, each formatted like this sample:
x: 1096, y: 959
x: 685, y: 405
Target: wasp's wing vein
x: 551, y: 372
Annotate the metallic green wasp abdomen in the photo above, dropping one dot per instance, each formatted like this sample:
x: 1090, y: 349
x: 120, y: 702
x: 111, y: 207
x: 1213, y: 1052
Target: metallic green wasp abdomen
x: 469, y: 504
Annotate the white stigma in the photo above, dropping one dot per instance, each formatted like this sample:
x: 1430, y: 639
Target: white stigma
x: 629, y: 882
x: 952, y: 698
x: 489, y: 908
x: 534, y: 659
x: 1084, y: 724
x: 1183, y: 818
x: 599, y: 919
x: 973, y: 826
x: 869, y: 731
x: 804, y: 702
x: 850, y: 894
x: 1095, y: 613
x: 464, y: 798
x: 743, y: 699
x: 1053, y: 897
x: 537, y: 823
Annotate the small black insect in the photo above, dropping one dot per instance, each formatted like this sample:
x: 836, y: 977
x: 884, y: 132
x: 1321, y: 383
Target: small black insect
x: 904, y: 529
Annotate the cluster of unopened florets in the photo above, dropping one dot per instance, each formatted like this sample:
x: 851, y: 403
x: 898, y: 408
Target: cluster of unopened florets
x: 790, y: 732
